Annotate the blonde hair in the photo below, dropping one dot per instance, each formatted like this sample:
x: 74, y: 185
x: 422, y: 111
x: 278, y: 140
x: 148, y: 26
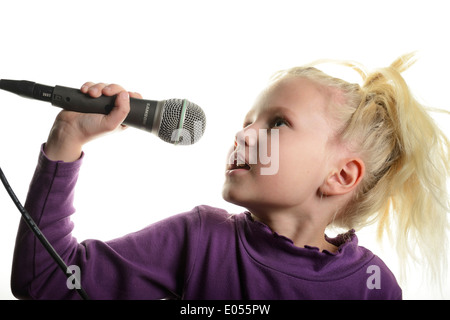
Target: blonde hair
x: 405, y: 154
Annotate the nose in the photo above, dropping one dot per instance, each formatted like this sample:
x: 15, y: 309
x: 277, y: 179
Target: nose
x: 246, y: 137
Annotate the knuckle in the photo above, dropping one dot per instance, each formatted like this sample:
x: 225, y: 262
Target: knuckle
x: 88, y: 84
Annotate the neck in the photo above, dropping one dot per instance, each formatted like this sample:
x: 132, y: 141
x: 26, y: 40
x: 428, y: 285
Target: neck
x: 301, y: 229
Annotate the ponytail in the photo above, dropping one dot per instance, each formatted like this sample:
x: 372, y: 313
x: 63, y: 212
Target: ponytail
x: 408, y: 163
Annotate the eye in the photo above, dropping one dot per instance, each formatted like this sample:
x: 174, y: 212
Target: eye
x: 279, y: 122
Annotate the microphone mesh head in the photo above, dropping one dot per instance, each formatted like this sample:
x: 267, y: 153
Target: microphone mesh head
x: 193, y: 122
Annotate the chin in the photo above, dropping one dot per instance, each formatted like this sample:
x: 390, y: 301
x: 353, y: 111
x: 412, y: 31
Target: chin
x: 231, y: 195
x: 227, y: 196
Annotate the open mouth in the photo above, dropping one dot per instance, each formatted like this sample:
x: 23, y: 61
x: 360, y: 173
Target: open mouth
x: 236, y: 162
x: 236, y: 165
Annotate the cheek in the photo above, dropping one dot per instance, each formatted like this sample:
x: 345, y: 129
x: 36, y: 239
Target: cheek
x: 304, y: 162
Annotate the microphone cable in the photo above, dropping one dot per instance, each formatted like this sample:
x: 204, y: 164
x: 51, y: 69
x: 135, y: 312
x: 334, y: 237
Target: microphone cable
x: 35, y: 229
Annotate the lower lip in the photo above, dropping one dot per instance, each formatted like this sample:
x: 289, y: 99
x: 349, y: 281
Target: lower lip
x: 236, y: 171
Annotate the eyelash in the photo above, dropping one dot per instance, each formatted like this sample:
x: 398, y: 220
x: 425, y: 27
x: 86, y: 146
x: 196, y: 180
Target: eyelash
x: 279, y: 119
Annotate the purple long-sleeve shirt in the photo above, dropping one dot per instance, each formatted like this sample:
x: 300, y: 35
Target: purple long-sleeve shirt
x: 205, y: 253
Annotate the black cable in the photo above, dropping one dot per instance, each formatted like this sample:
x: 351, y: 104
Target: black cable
x: 32, y: 225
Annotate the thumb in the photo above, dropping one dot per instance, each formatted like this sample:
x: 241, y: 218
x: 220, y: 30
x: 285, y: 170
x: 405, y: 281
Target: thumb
x: 119, y: 112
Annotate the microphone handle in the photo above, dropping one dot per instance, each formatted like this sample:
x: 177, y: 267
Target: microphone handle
x: 143, y: 113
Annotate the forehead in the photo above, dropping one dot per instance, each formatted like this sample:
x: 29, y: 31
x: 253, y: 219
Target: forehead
x: 294, y: 95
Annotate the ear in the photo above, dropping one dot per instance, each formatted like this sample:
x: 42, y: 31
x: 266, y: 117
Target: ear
x: 344, y: 179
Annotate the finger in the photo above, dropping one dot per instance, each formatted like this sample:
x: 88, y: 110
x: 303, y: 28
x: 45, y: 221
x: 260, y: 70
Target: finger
x: 135, y: 95
x: 85, y: 87
x: 95, y: 90
x: 119, y: 112
x: 112, y: 89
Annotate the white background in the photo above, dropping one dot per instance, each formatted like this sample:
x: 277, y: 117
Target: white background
x: 218, y: 54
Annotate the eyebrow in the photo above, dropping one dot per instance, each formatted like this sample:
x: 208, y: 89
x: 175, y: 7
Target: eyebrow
x: 279, y: 109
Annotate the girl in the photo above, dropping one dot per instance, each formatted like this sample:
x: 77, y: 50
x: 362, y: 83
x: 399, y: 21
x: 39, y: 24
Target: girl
x: 347, y: 156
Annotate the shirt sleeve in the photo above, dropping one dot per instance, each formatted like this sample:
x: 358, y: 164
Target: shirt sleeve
x: 153, y: 263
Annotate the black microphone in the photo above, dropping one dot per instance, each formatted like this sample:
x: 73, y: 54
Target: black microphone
x: 175, y: 121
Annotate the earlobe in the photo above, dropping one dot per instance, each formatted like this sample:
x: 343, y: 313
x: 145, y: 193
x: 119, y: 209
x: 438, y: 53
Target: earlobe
x: 344, y: 180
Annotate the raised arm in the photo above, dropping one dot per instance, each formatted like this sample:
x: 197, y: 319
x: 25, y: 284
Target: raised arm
x: 130, y: 267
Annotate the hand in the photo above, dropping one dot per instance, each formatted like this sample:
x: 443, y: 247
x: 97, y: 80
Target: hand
x: 71, y: 130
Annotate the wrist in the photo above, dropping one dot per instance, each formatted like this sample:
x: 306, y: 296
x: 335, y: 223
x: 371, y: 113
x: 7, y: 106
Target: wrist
x: 62, y: 146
